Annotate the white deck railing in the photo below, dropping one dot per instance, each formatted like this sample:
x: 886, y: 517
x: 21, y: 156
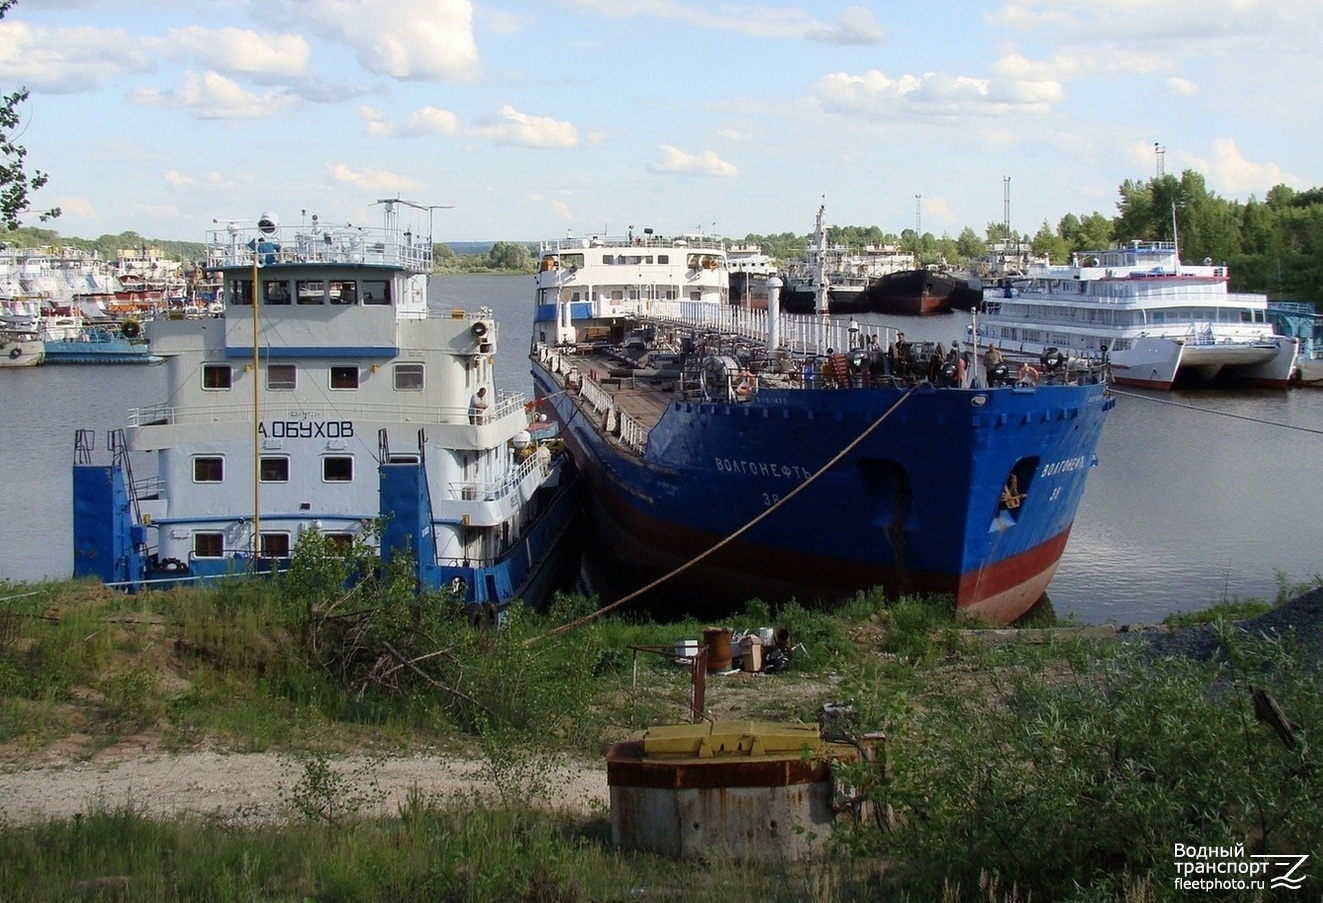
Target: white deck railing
x: 539, y: 462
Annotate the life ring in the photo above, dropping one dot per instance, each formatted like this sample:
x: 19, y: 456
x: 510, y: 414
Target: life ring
x: 15, y: 354
x: 131, y: 329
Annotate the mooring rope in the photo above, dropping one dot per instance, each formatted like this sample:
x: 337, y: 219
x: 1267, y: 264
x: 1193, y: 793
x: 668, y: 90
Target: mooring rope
x: 1246, y: 417
x: 571, y: 625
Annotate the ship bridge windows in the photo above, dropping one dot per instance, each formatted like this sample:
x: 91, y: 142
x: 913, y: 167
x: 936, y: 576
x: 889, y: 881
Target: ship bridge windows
x: 376, y: 291
x: 217, y: 377
x: 281, y: 377
x: 338, y: 469
x: 273, y: 469
x: 310, y: 291
x: 240, y: 291
x: 275, y: 291
x: 275, y: 545
x: 408, y: 377
x: 344, y: 378
x: 344, y: 292
x: 208, y: 545
x: 208, y: 469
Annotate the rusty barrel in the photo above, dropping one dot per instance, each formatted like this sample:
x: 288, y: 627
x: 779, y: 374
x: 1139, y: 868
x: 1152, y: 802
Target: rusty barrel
x: 717, y: 641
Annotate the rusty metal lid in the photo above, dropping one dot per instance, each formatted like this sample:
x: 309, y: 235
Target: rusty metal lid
x: 731, y: 739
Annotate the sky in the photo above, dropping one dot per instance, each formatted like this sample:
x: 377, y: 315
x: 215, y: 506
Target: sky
x: 533, y: 120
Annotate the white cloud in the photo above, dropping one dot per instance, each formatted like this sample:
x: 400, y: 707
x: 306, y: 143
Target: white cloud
x: 735, y: 136
x: 213, y: 180
x: 66, y: 60
x: 213, y: 96
x: 1182, y: 87
x: 372, y: 180
x: 431, y: 121
x: 524, y: 130
x: 375, y: 122
x: 855, y: 25
x: 76, y: 206
x: 707, y: 164
x: 874, y: 94
x: 1079, y: 62
x: 1227, y: 170
x: 421, y: 40
x: 240, y: 50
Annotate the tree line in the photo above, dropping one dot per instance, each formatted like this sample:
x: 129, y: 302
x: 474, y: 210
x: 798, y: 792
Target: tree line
x: 1274, y: 245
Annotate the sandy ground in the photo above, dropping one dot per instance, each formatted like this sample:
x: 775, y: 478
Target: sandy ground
x: 256, y: 787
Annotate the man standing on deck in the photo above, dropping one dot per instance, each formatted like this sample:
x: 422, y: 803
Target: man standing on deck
x: 991, y: 358
x: 478, y: 406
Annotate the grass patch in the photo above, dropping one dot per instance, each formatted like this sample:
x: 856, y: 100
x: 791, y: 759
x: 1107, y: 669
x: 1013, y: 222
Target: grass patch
x: 1065, y: 769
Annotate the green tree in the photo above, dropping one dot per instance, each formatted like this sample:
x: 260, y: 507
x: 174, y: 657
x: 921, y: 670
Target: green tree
x: 15, y: 183
x: 510, y: 255
x: 969, y: 245
x: 1047, y: 243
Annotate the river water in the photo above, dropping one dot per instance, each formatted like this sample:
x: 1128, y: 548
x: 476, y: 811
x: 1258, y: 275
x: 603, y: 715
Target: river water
x: 1199, y: 496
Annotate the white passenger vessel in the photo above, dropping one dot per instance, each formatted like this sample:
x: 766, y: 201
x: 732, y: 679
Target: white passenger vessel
x: 1159, y: 321
x: 328, y: 396
x: 611, y: 280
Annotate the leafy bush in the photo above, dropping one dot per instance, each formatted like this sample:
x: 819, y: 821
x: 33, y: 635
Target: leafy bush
x: 1055, y: 783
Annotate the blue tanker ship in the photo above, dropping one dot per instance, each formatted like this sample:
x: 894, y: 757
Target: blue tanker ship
x: 737, y: 454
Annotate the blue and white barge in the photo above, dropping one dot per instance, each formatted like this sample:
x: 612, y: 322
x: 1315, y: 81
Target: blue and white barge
x: 328, y: 397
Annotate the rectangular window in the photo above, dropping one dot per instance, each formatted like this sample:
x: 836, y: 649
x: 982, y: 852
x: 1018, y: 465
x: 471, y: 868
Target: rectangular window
x: 274, y: 469
x: 208, y: 545
x: 216, y: 376
x: 344, y: 292
x: 281, y: 377
x: 338, y: 469
x: 376, y: 291
x: 275, y: 545
x: 209, y: 469
x: 663, y: 258
x: 275, y: 291
x: 241, y: 291
x: 408, y: 377
x: 310, y: 291
x: 341, y: 542
x: 344, y: 377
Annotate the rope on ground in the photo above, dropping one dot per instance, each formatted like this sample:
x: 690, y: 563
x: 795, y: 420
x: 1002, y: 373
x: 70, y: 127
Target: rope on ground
x: 1192, y: 407
x: 572, y: 625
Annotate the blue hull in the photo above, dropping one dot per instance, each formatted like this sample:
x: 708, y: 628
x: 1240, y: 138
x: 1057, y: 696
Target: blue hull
x: 916, y: 506
x: 108, y: 350
x: 111, y: 542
